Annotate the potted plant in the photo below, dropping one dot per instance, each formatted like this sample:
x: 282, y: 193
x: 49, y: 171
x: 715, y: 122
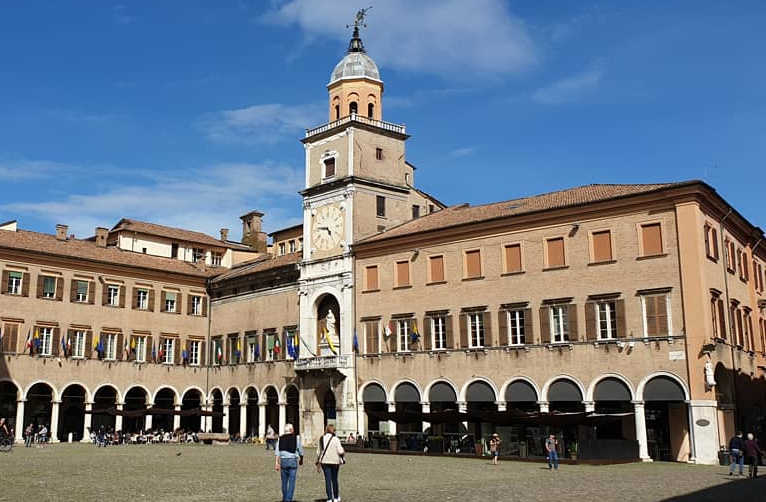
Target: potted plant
x: 572, y: 450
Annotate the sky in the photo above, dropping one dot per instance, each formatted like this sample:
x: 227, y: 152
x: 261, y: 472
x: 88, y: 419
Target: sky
x: 188, y: 113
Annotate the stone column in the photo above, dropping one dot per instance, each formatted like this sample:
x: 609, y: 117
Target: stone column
x: 544, y: 406
x: 391, y: 423
x: 502, y: 406
x: 54, y: 428
x: 225, y: 424
x: 176, y: 417
x: 425, y: 407
x: 243, y: 432
x: 87, y: 423
x: 207, y: 422
x: 462, y: 407
x: 703, y: 431
x: 640, y: 417
x: 20, y: 425
x: 590, y: 406
x: 148, y: 423
x: 361, y: 419
x: 261, y: 420
x: 118, y: 418
x: 282, y: 416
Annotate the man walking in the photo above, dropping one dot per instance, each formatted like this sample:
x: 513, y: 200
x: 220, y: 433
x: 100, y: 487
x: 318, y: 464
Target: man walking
x: 289, y: 455
x: 736, y: 454
x: 494, y: 447
x: 553, y: 454
x: 752, y: 452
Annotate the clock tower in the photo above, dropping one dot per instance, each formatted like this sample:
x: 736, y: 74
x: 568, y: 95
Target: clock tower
x: 357, y: 184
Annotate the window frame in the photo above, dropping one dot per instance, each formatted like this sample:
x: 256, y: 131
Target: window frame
x: 476, y: 320
x: 196, y: 305
x: 216, y: 258
x: 466, y: 252
x: 403, y: 335
x: 46, y: 340
x: 711, y: 241
x: 438, y: 332
x: 113, y: 300
x: 516, y: 335
x: 195, y: 347
x: 110, y: 345
x: 252, y: 343
x: 561, y: 311
x: 367, y: 287
x: 15, y: 282
x: 49, y: 295
x: 78, y: 298
x: 142, y: 298
x: 546, y: 252
x: 592, y: 245
x: 668, y: 310
x: 430, y: 276
x: 141, y: 343
x: 503, y: 251
x: 612, y: 328
x: 380, y: 206
x: 78, y: 345
x: 398, y: 280
x: 174, y: 302
x: 168, y: 344
x: 324, y: 161
x: 663, y: 238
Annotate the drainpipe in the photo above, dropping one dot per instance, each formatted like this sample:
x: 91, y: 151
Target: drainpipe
x: 728, y: 310
x: 207, y: 344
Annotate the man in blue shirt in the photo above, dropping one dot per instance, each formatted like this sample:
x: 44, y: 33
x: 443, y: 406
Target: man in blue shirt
x: 288, y: 456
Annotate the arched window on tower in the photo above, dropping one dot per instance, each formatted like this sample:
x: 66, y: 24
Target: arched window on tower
x: 352, y: 108
x: 337, y: 112
x: 370, y: 110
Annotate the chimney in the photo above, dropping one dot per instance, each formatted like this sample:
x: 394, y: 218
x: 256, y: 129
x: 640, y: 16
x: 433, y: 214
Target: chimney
x: 101, y: 235
x: 61, y: 231
x: 251, y: 231
x: 224, y: 234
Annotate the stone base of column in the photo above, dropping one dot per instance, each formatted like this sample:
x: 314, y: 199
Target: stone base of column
x: 703, y: 436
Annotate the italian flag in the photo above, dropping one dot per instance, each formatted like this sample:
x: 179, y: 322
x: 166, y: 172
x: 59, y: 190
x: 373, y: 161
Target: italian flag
x: 277, y: 348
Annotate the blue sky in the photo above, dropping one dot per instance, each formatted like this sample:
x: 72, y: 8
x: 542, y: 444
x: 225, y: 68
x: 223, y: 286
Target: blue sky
x: 188, y: 113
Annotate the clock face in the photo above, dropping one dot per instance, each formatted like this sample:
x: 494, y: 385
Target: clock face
x: 327, y: 228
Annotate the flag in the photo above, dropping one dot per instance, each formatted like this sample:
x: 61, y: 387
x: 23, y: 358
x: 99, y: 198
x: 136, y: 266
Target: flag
x: 277, y: 347
x: 161, y: 353
x: 296, y: 345
x: 239, y: 349
x: 356, y: 342
x: 38, y: 342
x: 220, y: 354
x: 133, y: 344
x: 1, y: 338
x: 126, y: 350
x: 154, y: 353
x: 100, y: 347
x: 28, y: 343
x: 257, y: 351
x: 63, y: 346
x: 185, y: 355
x: 414, y: 335
x: 387, y: 329
x: 69, y: 345
x: 329, y: 341
x: 289, y: 345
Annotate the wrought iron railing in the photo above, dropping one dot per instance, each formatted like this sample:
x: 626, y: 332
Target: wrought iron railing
x: 354, y: 117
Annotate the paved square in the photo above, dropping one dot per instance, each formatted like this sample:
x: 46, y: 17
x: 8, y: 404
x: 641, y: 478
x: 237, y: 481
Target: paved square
x: 239, y: 472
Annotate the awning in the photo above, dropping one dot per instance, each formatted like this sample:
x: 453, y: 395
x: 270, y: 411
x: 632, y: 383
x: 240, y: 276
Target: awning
x: 510, y: 417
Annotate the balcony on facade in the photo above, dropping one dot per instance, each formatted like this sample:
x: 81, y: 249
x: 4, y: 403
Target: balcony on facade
x: 358, y: 119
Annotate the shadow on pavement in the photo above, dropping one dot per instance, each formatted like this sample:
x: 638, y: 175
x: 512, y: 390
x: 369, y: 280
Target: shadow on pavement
x: 736, y: 489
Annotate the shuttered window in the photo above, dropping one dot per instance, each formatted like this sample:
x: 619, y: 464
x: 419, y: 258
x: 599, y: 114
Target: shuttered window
x: 651, y: 238
x: 602, y: 246
x: 372, y: 334
x: 513, y: 258
x: 402, y: 273
x: 555, y: 249
x: 607, y: 320
x: 437, y: 268
x: 372, y: 277
x: 656, y: 308
x: 473, y: 263
x: 329, y: 167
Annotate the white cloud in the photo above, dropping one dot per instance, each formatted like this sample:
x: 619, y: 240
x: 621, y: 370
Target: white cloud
x: 23, y: 169
x: 203, y: 199
x: 447, y: 37
x: 462, y: 152
x: 121, y: 16
x: 570, y: 88
x: 267, y: 123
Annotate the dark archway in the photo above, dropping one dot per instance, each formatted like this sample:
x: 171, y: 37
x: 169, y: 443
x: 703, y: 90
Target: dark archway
x: 328, y: 407
x: 564, y: 396
x: 234, y: 412
x: 9, y: 397
x: 272, y: 409
x: 192, y: 400
x: 612, y: 396
x: 480, y: 398
x: 165, y: 399
x: 667, y: 419
x: 252, y: 412
x: 72, y: 413
x: 105, y: 398
x: 407, y: 399
x: 374, y: 399
x: 353, y: 107
x: 442, y: 397
x: 37, y: 409
x: 217, y: 408
x: 135, y: 399
x: 370, y: 111
x: 521, y: 395
x: 293, y: 411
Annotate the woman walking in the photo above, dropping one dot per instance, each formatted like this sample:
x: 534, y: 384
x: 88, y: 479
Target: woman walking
x: 289, y: 455
x: 752, y: 451
x: 329, y: 458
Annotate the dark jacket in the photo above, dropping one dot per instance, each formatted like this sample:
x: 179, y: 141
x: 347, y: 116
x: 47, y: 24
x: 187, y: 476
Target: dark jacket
x: 751, y: 448
x: 736, y: 443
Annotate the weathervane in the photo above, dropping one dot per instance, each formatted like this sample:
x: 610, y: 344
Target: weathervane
x: 361, y: 14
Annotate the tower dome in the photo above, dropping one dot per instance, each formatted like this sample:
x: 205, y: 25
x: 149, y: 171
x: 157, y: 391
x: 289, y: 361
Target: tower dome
x: 356, y: 63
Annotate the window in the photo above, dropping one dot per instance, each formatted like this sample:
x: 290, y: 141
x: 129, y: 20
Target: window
x: 337, y: 112
x: 194, y: 352
x: 270, y: 341
x: 403, y: 335
x: 379, y: 153
x: 656, y: 319
x: 46, y: 341
x: 174, y: 250
x: 140, y: 349
x: 602, y: 246
x: 14, y: 283
x: 353, y: 108
x: 729, y: 249
x: 372, y: 336
x: 81, y: 294
x: 436, y: 268
x: 49, y: 287
x: 113, y: 296
x: 513, y: 258
x: 370, y: 110
x: 292, y: 246
x: 281, y: 248
x: 439, y: 332
x: 475, y: 330
x: 402, y: 273
x: 371, y: 276
x: 168, y: 350
x: 170, y: 302
x: 196, y: 305
x: 143, y: 250
x: 142, y: 299
x: 109, y: 341
x: 78, y: 344
x: 415, y: 212
x: 380, y: 206
x: 473, y: 263
x: 329, y: 167
x: 198, y: 254
x: 718, y: 317
x: 651, y: 239
x: 431, y: 208
x: 216, y: 259
x: 252, y: 349
x: 217, y: 350
x: 607, y: 320
x: 555, y: 252
x: 559, y: 319
x: 749, y: 326
x: 516, y: 335
x: 711, y: 242
x: 289, y: 335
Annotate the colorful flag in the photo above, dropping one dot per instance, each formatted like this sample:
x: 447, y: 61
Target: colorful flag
x: 289, y: 345
x: 387, y: 330
x: 100, y: 347
x: 414, y: 335
x: 154, y: 353
x: 220, y: 354
x: 126, y: 350
x: 239, y: 348
x: 63, y: 346
x: 133, y: 344
x: 356, y: 342
x: 329, y: 341
x: 296, y: 345
x: 28, y: 343
x: 277, y: 347
x: 257, y: 351
x: 37, y: 340
x: 69, y: 345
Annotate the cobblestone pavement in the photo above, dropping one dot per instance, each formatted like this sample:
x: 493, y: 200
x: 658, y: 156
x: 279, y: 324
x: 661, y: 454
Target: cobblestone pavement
x: 243, y: 472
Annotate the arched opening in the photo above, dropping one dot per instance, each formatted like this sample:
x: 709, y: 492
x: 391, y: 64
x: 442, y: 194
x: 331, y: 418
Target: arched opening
x: 191, y: 401
x: 328, y: 326
x: 37, y: 410
x: 72, y: 413
x: 336, y: 108
x: 252, y: 412
x: 328, y: 407
x: 165, y: 400
x: 724, y: 395
x: 272, y: 409
x: 564, y: 396
x: 218, y: 409
x: 667, y: 419
x: 521, y: 396
x: 105, y: 399
x: 612, y: 397
x: 521, y: 438
x: 9, y: 396
x: 407, y: 400
x: 135, y: 399
x: 371, y: 110
x: 352, y: 108
x: 442, y: 398
x: 292, y: 409
x: 234, y: 412
x: 374, y: 399
x: 480, y: 399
